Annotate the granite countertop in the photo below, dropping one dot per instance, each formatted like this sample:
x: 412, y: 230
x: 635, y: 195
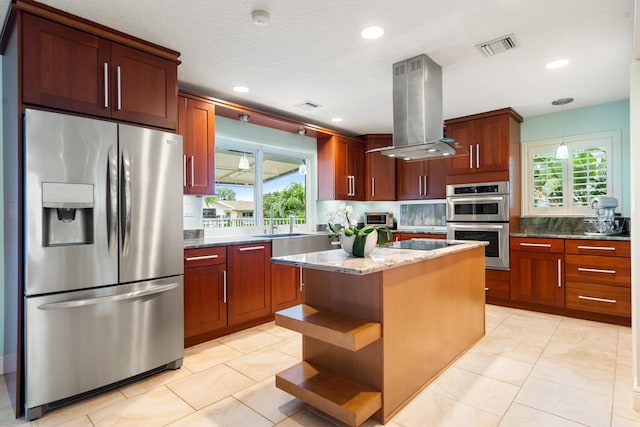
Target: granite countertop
x: 211, y: 242
x: 380, y: 259
x: 570, y: 235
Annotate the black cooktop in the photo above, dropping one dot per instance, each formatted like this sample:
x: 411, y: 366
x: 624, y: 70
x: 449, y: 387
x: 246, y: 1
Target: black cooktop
x: 422, y: 244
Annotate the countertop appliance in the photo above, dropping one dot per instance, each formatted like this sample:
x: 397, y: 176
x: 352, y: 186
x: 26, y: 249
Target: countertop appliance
x: 604, y: 222
x: 103, y: 275
x: 378, y: 219
x: 481, y: 212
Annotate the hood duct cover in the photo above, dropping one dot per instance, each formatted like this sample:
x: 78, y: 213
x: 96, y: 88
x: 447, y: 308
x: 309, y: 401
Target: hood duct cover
x: 417, y: 112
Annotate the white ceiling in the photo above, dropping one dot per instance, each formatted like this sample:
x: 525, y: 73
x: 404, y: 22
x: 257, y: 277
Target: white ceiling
x: 312, y: 51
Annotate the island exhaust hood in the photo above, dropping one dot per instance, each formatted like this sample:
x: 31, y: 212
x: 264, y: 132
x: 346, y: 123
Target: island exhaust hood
x: 417, y: 113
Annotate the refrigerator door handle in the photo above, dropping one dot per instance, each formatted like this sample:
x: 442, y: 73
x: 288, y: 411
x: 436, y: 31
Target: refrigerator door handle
x: 109, y: 298
x: 126, y: 194
x: 112, y: 202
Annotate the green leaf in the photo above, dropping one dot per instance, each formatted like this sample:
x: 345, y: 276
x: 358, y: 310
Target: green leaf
x: 358, y: 245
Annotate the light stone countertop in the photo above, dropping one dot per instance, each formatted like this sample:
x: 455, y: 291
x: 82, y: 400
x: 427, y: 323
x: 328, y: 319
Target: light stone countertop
x: 380, y: 259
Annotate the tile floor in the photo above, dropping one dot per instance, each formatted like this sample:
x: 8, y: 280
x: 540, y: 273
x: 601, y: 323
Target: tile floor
x: 531, y: 369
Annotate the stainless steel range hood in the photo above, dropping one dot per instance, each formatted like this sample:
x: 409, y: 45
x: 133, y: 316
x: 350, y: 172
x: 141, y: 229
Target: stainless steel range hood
x: 417, y: 113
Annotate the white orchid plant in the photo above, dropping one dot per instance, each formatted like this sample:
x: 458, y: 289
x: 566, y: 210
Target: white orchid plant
x: 340, y: 222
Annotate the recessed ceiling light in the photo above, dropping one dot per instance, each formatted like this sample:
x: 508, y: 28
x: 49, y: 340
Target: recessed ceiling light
x: 371, y: 33
x: 556, y: 64
x: 336, y: 119
x: 241, y: 89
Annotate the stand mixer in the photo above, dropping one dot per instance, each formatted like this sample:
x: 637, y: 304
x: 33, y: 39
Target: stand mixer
x: 604, y: 221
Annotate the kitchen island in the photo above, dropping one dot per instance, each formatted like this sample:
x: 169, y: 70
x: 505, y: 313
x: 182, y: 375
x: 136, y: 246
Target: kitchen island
x: 378, y: 330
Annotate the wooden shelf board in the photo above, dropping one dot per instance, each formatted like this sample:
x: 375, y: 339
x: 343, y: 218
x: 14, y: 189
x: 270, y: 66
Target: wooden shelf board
x: 349, y: 332
x: 338, y: 396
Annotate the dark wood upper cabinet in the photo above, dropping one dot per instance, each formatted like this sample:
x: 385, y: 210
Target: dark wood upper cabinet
x: 493, y: 142
x: 73, y: 70
x: 340, y: 168
x: 196, y: 124
x: 421, y: 179
x: 380, y: 180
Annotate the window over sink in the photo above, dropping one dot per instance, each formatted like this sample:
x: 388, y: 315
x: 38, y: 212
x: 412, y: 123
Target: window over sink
x: 249, y: 180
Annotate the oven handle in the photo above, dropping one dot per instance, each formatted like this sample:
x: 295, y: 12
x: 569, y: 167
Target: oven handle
x: 478, y: 199
x: 477, y: 226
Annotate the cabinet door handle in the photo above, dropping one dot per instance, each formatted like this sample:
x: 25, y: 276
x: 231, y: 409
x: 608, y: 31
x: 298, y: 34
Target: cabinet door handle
x: 470, y: 156
x: 486, y: 289
x: 119, y: 88
x: 251, y: 248
x: 595, y: 270
x: 193, y: 166
x: 353, y: 185
x: 184, y: 170
x: 559, y: 273
x: 196, y: 258
x: 477, y: 156
x: 420, y: 185
x: 597, y: 248
x: 536, y: 245
x: 224, y: 288
x: 425, y: 185
x: 301, y: 282
x: 607, y: 300
x: 106, y: 85
x: 373, y: 187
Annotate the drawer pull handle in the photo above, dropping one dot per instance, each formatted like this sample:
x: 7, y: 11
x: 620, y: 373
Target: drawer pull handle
x: 251, y: 248
x: 486, y: 289
x: 197, y: 258
x: 596, y: 270
x: 301, y: 280
x: 610, y: 301
x: 597, y: 248
x: 536, y: 245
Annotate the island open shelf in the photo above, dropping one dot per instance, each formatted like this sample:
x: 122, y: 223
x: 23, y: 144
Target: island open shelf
x: 378, y: 330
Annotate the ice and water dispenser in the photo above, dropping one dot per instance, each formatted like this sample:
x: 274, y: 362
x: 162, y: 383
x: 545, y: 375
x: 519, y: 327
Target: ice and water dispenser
x: 67, y: 213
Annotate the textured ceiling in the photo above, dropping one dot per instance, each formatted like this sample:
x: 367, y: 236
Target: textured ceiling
x: 312, y: 51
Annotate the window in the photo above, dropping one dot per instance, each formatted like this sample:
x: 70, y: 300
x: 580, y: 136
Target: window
x: 565, y: 187
x: 245, y: 194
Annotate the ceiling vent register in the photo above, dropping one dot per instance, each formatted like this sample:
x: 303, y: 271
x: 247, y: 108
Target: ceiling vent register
x: 499, y: 45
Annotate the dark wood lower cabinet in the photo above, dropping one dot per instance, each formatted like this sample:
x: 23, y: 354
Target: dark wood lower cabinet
x: 248, y: 282
x: 286, y: 286
x: 204, y: 306
x: 537, y: 278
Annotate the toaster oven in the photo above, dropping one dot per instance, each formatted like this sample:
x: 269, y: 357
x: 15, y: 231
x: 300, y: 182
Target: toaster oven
x: 379, y: 219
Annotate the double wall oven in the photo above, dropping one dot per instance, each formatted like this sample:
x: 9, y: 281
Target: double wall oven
x: 481, y: 212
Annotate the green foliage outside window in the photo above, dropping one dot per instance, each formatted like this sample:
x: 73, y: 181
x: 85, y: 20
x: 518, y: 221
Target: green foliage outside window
x: 292, y: 199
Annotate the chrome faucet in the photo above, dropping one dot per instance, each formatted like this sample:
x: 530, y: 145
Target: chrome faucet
x: 271, y: 227
x: 292, y: 220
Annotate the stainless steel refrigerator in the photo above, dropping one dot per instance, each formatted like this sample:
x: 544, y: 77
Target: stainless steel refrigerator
x: 103, y: 293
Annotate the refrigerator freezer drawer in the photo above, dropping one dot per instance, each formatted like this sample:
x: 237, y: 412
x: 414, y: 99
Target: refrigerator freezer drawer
x: 79, y: 341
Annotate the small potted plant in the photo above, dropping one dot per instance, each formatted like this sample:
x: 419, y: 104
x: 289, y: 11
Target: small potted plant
x: 356, y: 241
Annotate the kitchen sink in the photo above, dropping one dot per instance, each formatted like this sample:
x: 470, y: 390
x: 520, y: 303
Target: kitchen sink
x: 299, y: 243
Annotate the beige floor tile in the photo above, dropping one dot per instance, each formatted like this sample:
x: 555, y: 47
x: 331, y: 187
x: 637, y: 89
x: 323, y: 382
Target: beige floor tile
x: 263, y: 364
x: 623, y: 400
x: 582, y: 406
x: 481, y: 392
x: 617, y: 421
x: 432, y: 409
x: 158, y: 380
x: 517, y: 348
x: 598, y: 378
x: 227, y: 412
x: 306, y: 418
x: 533, y: 328
x: 250, y: 340
x: 524, y: 416
x: 209, y: 386
x: 155, y: 408
x: 5, y: 401
x: 497, y: 367
x: 277, y: 330
x: 8, y: 418
x: 208, y: 354
x: 269, y: 401
x: 291, y: 346
x: 80, y: 409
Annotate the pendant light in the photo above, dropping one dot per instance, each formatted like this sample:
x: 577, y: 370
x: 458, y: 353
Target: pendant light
x: 302, y: 168
x: 563, y: 151
x: 243, y: 164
